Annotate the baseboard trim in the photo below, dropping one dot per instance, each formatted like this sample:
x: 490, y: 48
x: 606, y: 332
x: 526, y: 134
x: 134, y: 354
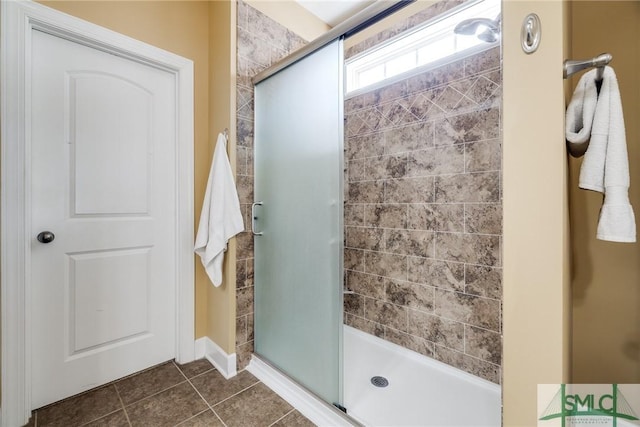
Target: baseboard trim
x: 224, y: 363
x: 316, y: 410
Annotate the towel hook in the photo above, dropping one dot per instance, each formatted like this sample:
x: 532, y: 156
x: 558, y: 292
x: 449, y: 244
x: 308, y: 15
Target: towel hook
x: 600, y: 61
x: 530, y: 33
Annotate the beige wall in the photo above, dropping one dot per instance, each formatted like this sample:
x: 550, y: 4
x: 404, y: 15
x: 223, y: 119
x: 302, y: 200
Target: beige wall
x: 221, y: 326
x: 535, y: 312
x: 181, y: 27
x: 606, y: 276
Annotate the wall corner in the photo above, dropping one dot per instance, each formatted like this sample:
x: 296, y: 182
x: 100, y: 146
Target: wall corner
x: 221, y: 327
x: 536, y: 308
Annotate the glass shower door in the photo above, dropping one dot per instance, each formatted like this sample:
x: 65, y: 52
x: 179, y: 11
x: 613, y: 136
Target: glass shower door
x: 298, y: 252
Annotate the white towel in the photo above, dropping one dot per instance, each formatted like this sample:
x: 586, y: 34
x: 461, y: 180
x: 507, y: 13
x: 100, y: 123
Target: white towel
x: 220, y: 218
x: 595, y: 123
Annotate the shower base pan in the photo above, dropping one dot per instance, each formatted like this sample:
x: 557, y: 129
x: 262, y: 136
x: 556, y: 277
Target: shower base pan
x: 388, y: 385
x: 420, y: 391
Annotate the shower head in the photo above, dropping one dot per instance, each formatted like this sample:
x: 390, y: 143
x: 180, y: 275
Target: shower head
x: 470, y: 27
x: 489, y: 35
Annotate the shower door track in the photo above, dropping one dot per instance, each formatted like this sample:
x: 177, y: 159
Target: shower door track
x: 357, y: 22
x: 333, y: 408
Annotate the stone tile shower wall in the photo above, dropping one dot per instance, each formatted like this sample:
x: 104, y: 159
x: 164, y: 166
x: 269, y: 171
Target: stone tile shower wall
x: 260, y: 42
x: 423, y: 213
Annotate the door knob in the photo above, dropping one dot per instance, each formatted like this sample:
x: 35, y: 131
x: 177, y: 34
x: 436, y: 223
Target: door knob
x: 46, y: 237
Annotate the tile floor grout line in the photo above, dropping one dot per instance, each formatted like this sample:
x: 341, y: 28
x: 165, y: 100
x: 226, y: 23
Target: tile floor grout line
x: 213, y: 368
x: 179, y: 370
x: 150, y: 368
x: 202, y: 373
x: 99, y: 418
x: 234, y: 395
x: 154, y: 394
x: 107, y: 414
x: 74, y: 396
x: 283, y: 417
x: 192, y: 417
x: 207, y: 403
x: 126, y: 414
x: 201, y: 396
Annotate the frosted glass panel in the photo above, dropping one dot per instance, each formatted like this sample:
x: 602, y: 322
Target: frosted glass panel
x: 298, y: 259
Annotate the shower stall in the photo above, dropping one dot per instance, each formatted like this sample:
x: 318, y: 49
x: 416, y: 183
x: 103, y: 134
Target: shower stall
x: 377, y: 217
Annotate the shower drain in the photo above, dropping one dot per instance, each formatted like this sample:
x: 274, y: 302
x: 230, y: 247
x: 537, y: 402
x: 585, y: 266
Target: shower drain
x: 379, y: 381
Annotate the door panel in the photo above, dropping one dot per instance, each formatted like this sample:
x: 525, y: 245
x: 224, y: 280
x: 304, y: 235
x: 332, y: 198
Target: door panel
x: 298, y: 258
x: 103, y: 181
x: 108, y: 297
x: 112, y: 146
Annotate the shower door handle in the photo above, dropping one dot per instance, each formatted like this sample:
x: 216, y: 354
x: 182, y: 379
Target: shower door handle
x: 254, y: 218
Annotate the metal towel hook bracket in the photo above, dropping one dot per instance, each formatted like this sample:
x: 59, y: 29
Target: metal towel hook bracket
x: 571, y: 67
x: 530, y: 33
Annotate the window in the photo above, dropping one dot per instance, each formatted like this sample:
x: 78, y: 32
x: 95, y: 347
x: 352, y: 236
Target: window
x: 431, y: 43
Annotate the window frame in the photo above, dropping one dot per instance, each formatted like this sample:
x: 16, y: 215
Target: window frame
x: 384, y: 53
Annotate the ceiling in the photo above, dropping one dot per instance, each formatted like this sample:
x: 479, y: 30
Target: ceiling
x: 334, y: 12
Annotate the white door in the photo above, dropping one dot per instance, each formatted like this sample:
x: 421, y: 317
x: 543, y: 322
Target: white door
x: 103, y: 132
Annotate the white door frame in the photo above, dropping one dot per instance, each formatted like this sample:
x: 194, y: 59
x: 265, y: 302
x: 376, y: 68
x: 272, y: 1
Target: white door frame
x: 19, y: 18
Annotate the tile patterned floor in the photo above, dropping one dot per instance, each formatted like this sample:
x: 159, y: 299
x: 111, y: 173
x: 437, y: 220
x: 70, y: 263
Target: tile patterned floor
x: 191, y: 395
